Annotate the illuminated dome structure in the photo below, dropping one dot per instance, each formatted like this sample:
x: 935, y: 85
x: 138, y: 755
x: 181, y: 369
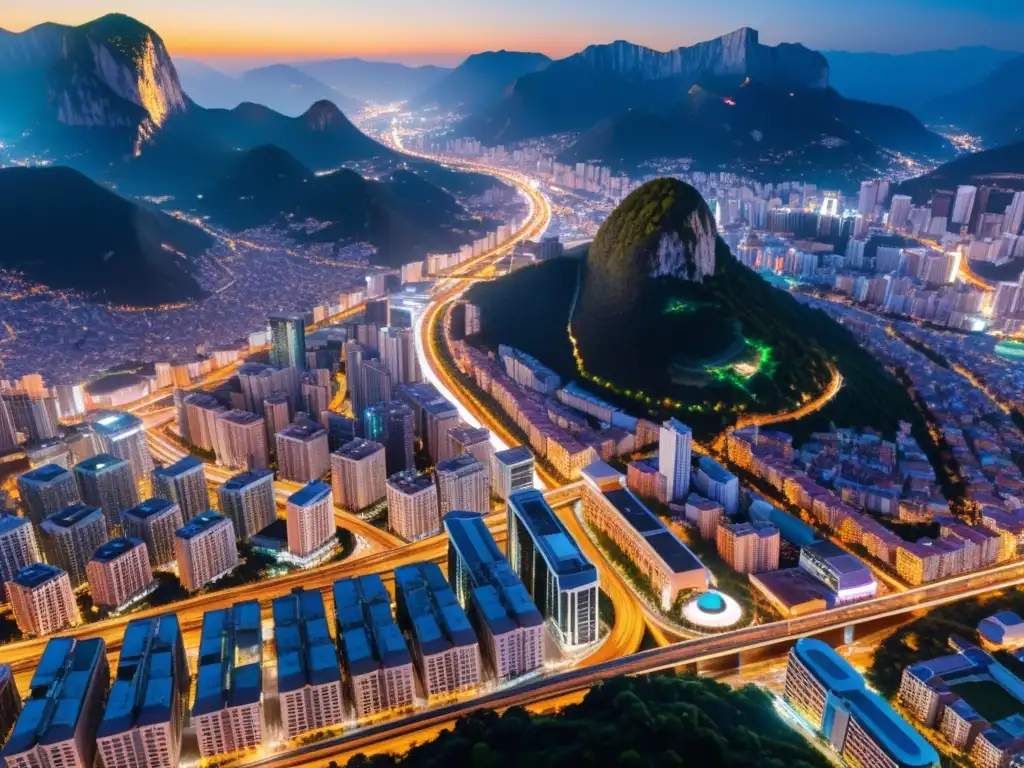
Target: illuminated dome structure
x: 712, y: 610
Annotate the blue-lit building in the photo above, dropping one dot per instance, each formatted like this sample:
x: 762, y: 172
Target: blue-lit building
x: 508, y: 624
x: 444, y: 645
x: 791, y: 528
x: 288, y: 341
x: 845, y: 575
x: 391, y: 425
x: 563, y: 583
x: 823, y: 687
x: 146, y: 709
x: 715, y: 482
x: 308, y: 678
x: 124, y: 435
x: 378, y: 668
x: 228, y: 709
x: 57, y: 725
x: 45, y: 490
x: 10, y: 702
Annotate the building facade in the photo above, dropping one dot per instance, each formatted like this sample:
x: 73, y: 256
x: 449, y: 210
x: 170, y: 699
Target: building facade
x: 205, y: 550
x: 248, y: 501
x: 119, y: 573
x: 463, y: 483
x: 511, y: 470
x: 184, y: 483
x: 154, y: 521
x: 310, y: 520
x: 45, y: 490
x: 42, y: 600
x: 358, y: 474
x: 412, y: 505
x: 107, y: 482
x: 70, y: 537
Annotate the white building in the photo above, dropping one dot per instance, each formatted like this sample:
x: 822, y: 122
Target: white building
x: 674, y: 444
x: 205, y: 550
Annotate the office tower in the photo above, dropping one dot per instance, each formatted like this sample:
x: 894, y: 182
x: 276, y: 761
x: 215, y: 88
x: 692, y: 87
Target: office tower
x: 241, y: 440
x: 302, y: 452
x: 228, y: 708
x: 197, y: 419
x: 18, y: 546
x: 248, y: 501
x: 397, y: 348
x: 69, y: 538
x: 391, y: 425
x: 511, y: 470
x: 749, y: 547
x: 8, y: 431
x: 508, y: 624
x: 378, y: 667
x: 564, y: 585
x: 42, y: 600
x: 184, y: 483
x: 57, y: 725
x: 463, y: 483
x: 476, y: 441
x: 1013, y: 223
x: 857, y: 723
x: 963, y: 205
x: 108, y: 482
x: 288, y: 341
x: 899, y: 211
x: 433, y: 417
x: 674, y: 458
x: 144, y: 718
x: 358, y: 474
x: 46, y: 490
x: 868, y: 198
x: 259, y: 382
x: 124, y: 436
x: 669, y: 566
x: 375, y: 385
x: 10, y: 702
x: 308, y: 678
x: 354, y: 355
x: 310, y: 519
x: 444, y: 645
x: 119, y: 573
x: 412, y: 505
x: 205, y: 550
x: 277, y: 409
x: 713, y: 481
x: 154, y: 521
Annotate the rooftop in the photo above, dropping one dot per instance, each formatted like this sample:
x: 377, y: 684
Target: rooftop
x: 45, y: 474
x: 31, y: 576
x: 367, y: 633
x: 149, y: 508
x: 72, y: 515
x: 304, y: 430
x: 113, y: 423
x: 180, y: 467
x: 9, y: 523
x: 639, y: 517
x: 462, y: 463
x: 242, y: 418
x: 438, y: 621
x: 466, y: 435
x: 517, y: 455
x: 245, y: 479
x: 411, y: 482
x: 305, y: 652
x: 230, y: 658
x: 310, y: 493
x: 359, y: 449
x: 100, y: 463
x: 200, y: 524
x: 714, y: 470
x: 560, y: 550
x: 114, y: 548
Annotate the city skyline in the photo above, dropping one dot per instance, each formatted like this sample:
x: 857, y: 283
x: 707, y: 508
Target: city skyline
x: 222, y: 34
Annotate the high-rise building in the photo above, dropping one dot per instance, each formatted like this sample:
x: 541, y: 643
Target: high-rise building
x: 241, y: 440
x: 46, y: 490
x: 444, y: 645
x: 899, y: 211
x: 277, y: 410
x: 18, y: 546
x: 749, y: 547
x: 463, y: 483
x: 302, y: 452
x: 868, y: 198
x: 397, y: 347
x: 308, y: 678
x: 858, y: 724
x: 10, y: 702
x: 124, y: 436
x: 108, y: 482
x: 42, y: 600
x: 674, y: 458
x: 260, y: 382
x: 69, y: 538
x: 145, y: 714
x: 358, y: 474
x: 378, y: 668
x: 154, y: 521
x: 508, y: 624
x: 8, y: 430
x: 433, y: 417
x: 310, y: 521
x: 391, y: 425
x: 1013, y: 223
x: 412, y: 505
x: 57, y: 725
x: 119, y: 573
x: 205, y: 550
x: 248, y: 501
x: 354, y: 355
x: 715, y: 482
x: 288, y: 341
x: 963, y: 205
x: 315, y: 395
x: 228, y: 709
x: 375, y: 385
x: 511, y: 470
x: 34, y: 415
x: 476, y: 441
x: 197, y: 419
x: 184, y: 483
x: 562, y: 582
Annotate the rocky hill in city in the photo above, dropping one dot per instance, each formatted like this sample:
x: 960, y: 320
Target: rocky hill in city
x: 62, y: 230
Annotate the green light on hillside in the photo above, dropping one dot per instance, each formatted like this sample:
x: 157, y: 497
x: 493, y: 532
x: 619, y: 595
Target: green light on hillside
x: 739, y: 374
x: 680, y: 307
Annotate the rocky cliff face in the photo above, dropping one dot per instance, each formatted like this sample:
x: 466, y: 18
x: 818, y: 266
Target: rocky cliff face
x: 738, y: 53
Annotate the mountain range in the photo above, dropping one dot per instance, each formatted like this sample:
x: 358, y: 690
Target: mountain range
x: 480, y: 81
x: 60, y: 229
x: 379, y: 82
x: 731, y: 100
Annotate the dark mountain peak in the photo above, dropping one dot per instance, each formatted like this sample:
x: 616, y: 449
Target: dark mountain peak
x: 325, y: 116
x: 269, y: 162
x: 250, y: 111
x: 482, y: 79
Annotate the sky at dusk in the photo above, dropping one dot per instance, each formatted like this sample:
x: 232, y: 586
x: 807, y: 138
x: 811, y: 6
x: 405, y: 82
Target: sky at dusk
x: 246, y: 32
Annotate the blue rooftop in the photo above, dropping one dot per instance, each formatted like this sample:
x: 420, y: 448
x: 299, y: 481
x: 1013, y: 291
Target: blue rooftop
x: 149, y: 508
x: 311, y: 493
x: 11, y: 522
x: 428, y: 606
x: 102, y: 462
x: 245, y: 479
x: 305, y: 652
x: 200, y: 523
x: 31, y: 576
x: 230, y: 658
x: 115, y: 422
x: 180, y: 467
x: 902, y: 742
x: 114, y: 548
x: 45, y: 474
x: 72, y: 515
x: 714, y: 470
x: 561, y: 552
x: 368, y: 636
x: 517, y: 455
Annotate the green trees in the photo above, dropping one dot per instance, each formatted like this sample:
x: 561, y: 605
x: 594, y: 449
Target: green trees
x: 662, y: 721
